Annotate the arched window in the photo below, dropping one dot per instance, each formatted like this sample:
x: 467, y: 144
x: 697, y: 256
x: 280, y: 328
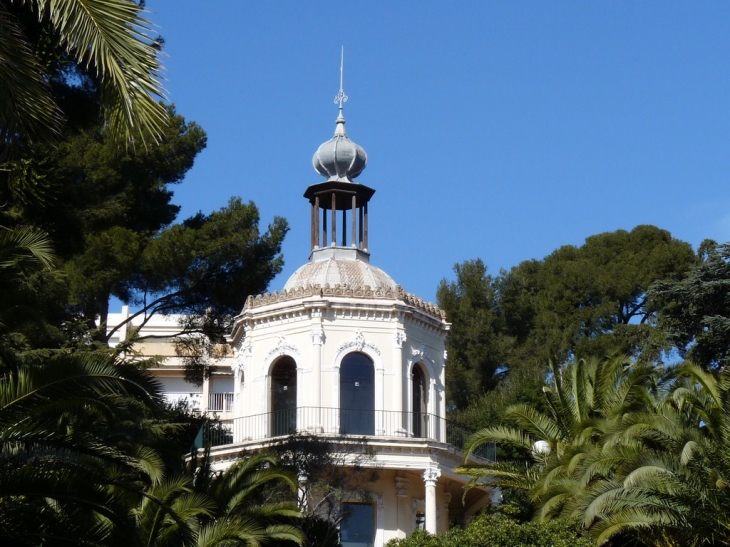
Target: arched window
x: 357, y: 395
x: 284, y: 397
x: 420, y: 402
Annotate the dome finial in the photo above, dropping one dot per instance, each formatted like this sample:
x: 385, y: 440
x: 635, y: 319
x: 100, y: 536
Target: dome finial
x: 341, y: 98
x: 340, y: 159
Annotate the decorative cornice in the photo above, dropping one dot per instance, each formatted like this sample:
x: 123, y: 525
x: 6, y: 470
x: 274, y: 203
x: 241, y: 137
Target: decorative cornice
x: 364, y: 291
x: 282, y: 347
x: 359, y: 343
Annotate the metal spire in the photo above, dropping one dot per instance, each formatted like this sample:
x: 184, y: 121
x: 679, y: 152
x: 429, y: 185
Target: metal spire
x: 341, y: 98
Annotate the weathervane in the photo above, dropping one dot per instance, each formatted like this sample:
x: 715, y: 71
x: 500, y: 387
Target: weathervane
x: 341, y: 98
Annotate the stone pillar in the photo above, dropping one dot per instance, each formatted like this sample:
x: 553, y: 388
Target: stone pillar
x: 405, y: 524
x: 316, y: 395
x: 445, y: 512
x: 430, y: 476
x: 317, y: 342
x: 400, y: 405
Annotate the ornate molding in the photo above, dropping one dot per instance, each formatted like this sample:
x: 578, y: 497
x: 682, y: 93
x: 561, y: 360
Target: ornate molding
x: 401, y: 486
x: 431, y: 475
x: 239, y: 358
x: 400, y: 337
x: 238, y: 365
x: 282, y: 347
x: 364, y: 291
x: 359, y: 343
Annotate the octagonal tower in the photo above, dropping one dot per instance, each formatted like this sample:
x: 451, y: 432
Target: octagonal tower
x: 344, y: 352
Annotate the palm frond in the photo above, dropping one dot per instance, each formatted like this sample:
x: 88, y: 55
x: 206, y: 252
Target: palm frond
x: 111, y: 38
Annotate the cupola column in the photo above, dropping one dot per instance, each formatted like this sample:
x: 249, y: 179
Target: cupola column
x: 353, y: 239
x: 365, y: 238
x: 334, y: 218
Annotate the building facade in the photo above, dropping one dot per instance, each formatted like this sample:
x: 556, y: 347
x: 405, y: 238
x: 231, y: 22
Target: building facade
x: 342, y: 353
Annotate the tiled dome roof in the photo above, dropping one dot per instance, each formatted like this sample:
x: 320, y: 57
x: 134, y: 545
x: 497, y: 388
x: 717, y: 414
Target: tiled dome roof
x: 346, y: 273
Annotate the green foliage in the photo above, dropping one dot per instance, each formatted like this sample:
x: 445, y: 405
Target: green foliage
x: 586, y: 403
x: 592, y: 298
x: 630, y: 453
x: 695, y: 311
x: 106, y: 40
x: 589, y: 300
x: 497, y: 530
x: 476, y: 346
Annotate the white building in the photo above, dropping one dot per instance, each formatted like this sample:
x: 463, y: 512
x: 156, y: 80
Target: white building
x: 342, y: 352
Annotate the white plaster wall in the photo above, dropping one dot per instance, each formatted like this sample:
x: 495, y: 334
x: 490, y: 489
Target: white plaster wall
x: 393, y: 339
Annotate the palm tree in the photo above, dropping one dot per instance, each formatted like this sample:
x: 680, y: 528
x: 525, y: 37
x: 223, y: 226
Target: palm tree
x: 22, y: 251
x: 675, y: 490
x: 627, y: 453
x: 109, y: 38
x: 58, y: 478
x: 207, y: 509
x: 249, y: 493
x: 586, y: 401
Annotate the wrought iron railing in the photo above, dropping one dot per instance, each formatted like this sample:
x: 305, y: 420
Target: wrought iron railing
x: 347, y: 422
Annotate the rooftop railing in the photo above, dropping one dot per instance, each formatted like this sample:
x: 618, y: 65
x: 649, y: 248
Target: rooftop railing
x: 346, y: 422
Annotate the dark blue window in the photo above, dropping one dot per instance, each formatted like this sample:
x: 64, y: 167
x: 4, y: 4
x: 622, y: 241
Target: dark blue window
x: 357, y: 395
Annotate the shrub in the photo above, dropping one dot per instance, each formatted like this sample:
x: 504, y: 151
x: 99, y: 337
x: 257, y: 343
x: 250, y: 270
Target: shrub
x: 498, y: 530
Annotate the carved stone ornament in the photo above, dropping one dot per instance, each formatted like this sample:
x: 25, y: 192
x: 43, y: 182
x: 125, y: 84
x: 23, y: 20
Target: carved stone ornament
x: 358, y: 343
x: 431, y: 475
x: 238, y: 364
x: 239, y: 358
x: 421, y: 353
x: 447, y: 498
x: 282, y: 347
x: 401, y: 486
x: 400, y: 337
x: 317, y: 336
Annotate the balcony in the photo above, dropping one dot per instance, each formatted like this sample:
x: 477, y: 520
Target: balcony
x: 336, y: 422
x: 220, y: 402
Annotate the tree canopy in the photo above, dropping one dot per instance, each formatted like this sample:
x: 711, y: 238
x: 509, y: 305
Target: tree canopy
x: 587, y: 300
x: 695, y: 311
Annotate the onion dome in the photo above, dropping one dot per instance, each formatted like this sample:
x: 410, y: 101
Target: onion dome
x: 340, y: 158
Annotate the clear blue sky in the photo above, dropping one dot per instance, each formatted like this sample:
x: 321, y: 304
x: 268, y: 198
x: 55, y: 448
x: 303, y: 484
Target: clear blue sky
x: 499, y: 130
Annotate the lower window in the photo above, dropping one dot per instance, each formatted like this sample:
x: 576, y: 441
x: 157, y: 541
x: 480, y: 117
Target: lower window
x: 357, y: 528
